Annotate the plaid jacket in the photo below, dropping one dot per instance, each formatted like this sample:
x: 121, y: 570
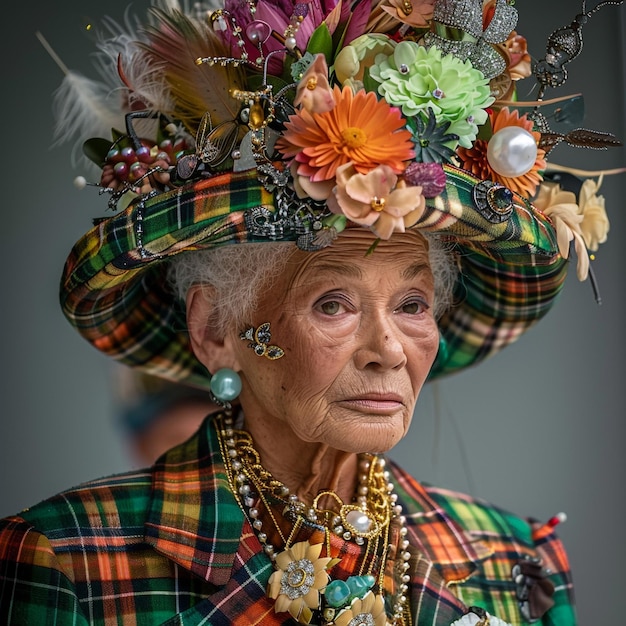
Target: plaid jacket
x: 170, y: 546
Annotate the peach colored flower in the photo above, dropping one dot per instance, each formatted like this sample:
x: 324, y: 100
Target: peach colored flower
x: 519, y: 59
x: 474, y: 159
x: 412, y: 12
x: 595, y: 223
x: 377, y: 200
x: 313, y: 92
x: 306, y: 188
x: 368, y: 610
x: 561, y: 207
x: 360, y: 129
x: 489, y: 10
x: 299, y: 578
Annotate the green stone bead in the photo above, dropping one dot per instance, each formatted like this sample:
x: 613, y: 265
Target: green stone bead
x: 225, y: 384
x: 360, y: 585
x: 336, y: 593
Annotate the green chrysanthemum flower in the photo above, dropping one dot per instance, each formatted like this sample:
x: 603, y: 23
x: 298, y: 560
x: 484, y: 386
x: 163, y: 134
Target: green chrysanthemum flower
x: 432, y: 142
x: 416, y: 79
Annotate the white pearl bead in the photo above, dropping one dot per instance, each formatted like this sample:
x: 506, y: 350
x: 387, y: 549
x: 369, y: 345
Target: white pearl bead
x: 359, y: 520
x: 512, y: 151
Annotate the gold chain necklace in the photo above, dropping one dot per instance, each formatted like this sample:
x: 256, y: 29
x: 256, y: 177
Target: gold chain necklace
x: 301, y: 583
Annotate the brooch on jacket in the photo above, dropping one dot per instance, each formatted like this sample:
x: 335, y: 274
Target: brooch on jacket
x: 476, y: 616
x: 533, y: 588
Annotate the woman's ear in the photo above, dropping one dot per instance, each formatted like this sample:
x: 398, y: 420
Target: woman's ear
x: 211, y: 349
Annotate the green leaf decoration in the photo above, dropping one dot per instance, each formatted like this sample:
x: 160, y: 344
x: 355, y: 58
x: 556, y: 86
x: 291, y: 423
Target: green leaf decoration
x: 369, y: 84
x: 433, y: 143
x: 321, y: 42
x: 96, y: 150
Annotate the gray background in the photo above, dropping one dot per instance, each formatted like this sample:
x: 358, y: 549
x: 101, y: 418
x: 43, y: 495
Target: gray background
x: 538, y: 429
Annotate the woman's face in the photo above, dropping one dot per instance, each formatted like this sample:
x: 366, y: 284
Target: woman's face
x: 359, y: 339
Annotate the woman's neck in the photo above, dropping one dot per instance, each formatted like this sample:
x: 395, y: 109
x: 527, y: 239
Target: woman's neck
x: 306, y: 468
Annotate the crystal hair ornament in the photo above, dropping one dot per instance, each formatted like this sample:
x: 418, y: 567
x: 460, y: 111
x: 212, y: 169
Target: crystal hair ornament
x: 563, y: 46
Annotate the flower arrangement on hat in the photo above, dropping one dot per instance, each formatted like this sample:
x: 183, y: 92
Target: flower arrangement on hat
x: 365, y: 108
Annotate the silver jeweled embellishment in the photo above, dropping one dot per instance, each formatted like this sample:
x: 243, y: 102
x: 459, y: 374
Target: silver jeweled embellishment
x: 493, y: 201
x: 297, y: 579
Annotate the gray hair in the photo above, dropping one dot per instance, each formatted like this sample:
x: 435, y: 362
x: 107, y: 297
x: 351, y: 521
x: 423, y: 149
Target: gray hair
x: 238, y: 273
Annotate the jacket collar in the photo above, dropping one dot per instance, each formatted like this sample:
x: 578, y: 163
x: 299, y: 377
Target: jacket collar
x: 191, y: 500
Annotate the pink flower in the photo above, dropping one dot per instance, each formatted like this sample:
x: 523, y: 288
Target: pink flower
x: 376, y: 199
x: 313, y: 92
x: 277, y: 14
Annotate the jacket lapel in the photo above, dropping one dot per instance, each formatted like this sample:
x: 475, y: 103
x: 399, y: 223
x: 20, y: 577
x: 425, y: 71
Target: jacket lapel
x: 443, y: 554
x: 193, y: 518
x: 242, y: 600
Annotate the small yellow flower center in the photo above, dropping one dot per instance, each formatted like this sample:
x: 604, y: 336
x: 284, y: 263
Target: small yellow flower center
x: 311, y: 84
x: 378, y: 204
x: 407, y: 7
x: 353, y: 137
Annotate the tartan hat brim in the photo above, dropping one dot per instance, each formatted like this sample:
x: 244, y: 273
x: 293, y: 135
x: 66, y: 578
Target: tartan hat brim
x: 114, y: 290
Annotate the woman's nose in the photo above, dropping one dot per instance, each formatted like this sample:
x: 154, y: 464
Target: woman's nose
x: 380, y: 344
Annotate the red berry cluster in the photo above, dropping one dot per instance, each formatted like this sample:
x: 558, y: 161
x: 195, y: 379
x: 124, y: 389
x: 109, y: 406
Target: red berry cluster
x: 128, y: 165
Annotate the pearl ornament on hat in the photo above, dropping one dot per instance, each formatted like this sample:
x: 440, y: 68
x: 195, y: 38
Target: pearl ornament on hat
x: 512, y: 151
x: 258, y: 32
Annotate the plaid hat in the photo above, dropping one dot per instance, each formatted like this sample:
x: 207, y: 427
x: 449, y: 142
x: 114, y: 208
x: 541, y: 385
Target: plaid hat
x: 270, y: 123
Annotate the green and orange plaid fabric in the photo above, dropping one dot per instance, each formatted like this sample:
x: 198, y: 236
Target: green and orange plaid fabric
x: 115, y: 293
x: 169, y: 546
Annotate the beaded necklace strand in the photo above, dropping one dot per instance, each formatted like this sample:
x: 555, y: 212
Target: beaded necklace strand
x: 366, y: 522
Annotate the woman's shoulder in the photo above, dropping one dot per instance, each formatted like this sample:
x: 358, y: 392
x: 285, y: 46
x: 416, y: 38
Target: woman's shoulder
x: 116, y: 501
x: 473, y: 514
x: 493, y: 557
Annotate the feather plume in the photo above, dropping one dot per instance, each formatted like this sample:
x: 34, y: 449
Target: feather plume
x: 120, y: 53
x: 84, y: 108
x: 175, y: 42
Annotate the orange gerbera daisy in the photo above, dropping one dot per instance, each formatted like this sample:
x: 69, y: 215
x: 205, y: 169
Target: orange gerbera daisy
x: 359, y: 129
x: 474, y: 159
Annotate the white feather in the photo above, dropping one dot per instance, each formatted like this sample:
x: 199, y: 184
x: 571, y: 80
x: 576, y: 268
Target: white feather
x: 146, y: 80
x: 85, y: 108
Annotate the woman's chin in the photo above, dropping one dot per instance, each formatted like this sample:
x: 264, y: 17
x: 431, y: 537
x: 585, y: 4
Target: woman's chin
x: 374, y: 436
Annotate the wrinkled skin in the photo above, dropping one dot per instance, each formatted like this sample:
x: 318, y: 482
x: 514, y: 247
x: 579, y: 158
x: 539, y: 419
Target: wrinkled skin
x: 359, y: 338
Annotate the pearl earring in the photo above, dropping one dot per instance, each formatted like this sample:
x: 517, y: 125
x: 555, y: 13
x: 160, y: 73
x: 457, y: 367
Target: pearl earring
x: 225, y: 386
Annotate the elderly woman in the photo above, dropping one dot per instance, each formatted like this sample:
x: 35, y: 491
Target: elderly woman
x: 367, y: 262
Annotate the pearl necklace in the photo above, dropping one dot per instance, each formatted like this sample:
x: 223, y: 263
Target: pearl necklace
x: 367, y: 520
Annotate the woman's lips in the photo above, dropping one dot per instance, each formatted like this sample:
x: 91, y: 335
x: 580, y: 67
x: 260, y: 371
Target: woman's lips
x: 375, y: 402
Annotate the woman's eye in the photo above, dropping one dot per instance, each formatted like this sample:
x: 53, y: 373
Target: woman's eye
x: 332, y: 307
x: 413, y: 307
